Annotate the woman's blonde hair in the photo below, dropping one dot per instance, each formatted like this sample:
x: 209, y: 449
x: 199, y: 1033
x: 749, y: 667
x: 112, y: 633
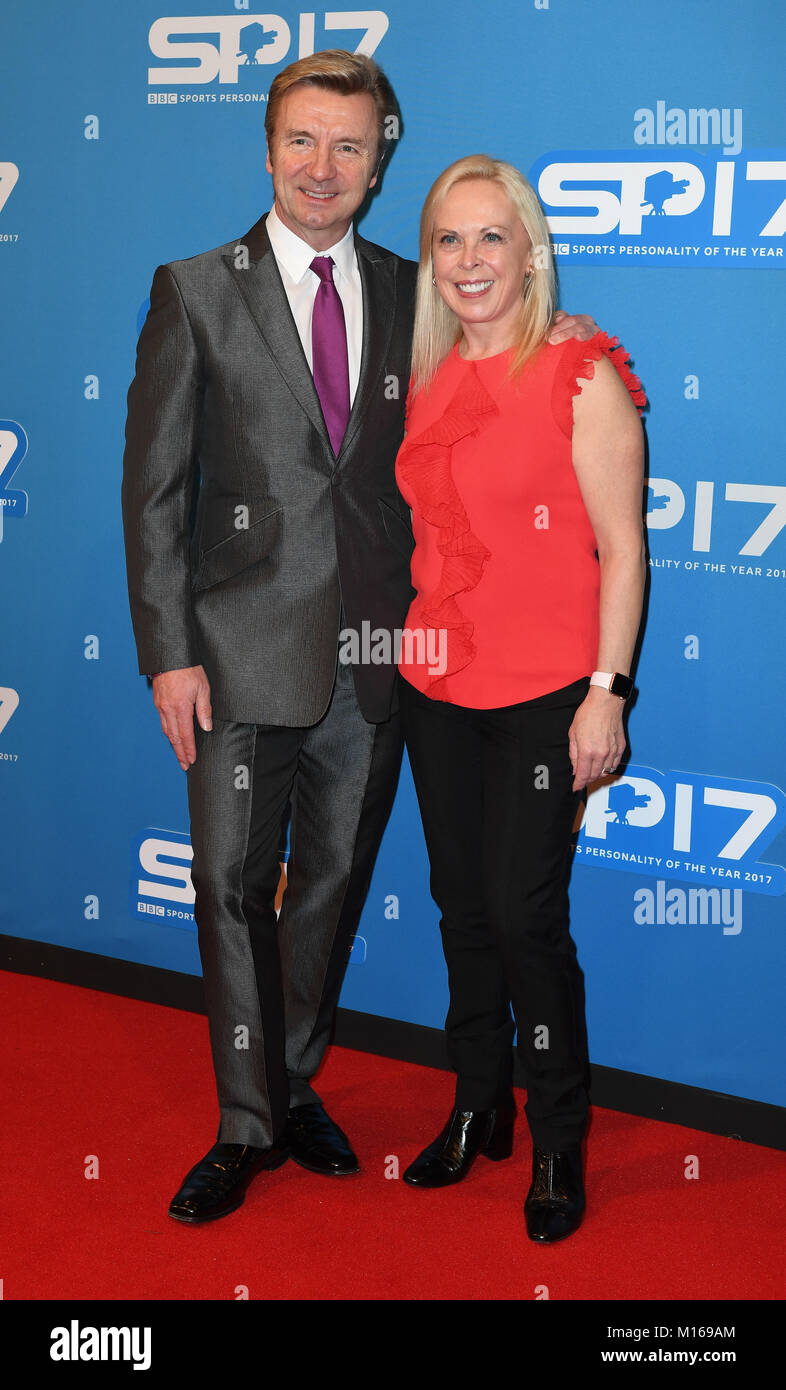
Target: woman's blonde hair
x: 437, y: 328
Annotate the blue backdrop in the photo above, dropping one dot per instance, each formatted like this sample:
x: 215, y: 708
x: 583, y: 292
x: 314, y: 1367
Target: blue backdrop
x: 131, y: 137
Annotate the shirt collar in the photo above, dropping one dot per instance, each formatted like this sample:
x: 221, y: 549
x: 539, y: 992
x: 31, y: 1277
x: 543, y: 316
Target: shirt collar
x: 295, y: 254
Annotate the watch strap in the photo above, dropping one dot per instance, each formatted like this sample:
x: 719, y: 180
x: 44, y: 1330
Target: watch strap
x: 614, y: 682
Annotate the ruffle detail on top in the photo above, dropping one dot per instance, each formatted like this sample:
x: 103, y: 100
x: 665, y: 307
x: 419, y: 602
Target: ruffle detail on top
x: 578, y: 363
x: 424, y: 467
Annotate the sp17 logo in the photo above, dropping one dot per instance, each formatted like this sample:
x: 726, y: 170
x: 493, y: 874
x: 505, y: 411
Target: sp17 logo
x: 13, y: 447
x: 9, y: 173
x: 667, y: 503
x: 161, y: 884
x: 9, y: 703
x: 617, y: 194
x: 686, y: 825
x: 231, y: 42
x: 619, y: 207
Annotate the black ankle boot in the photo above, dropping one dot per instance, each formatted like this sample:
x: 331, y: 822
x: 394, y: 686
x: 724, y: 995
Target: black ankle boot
x: 555, y: 1201
x: 466, y: 1134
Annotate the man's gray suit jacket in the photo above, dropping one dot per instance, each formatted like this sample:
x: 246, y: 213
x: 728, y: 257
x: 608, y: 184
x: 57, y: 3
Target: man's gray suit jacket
x: 245, y: 534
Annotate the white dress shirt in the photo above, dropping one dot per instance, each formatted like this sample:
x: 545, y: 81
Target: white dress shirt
x: 293, y: 258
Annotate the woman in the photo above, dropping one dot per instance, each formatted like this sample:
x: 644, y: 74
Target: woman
x: 523, y: 467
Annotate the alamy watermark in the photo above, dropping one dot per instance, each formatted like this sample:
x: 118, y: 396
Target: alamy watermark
x: 382, y: 646
x: 77, y: 1343
x: 689, y: 907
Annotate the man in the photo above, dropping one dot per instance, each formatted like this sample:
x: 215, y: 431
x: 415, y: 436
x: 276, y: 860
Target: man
x: 262, y: 517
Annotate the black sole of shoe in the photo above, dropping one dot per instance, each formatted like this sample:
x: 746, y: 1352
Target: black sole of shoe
x: 552, y: 1240
x: 431, y: 1186
x: 326, y: 1172
x: 213, y: 1216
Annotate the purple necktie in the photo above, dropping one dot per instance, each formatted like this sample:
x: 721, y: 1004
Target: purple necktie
x: 329, y: 352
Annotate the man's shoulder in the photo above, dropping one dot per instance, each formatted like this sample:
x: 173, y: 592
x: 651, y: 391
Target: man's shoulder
x: 380, y: 254
x: 195, y: 268
x: 204, y: 261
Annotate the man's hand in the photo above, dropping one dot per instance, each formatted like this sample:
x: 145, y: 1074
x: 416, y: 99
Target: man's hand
x: 177, y: 695
x: 565, y: 326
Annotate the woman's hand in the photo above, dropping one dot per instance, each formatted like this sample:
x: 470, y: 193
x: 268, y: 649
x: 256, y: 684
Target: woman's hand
x: 596, y: 738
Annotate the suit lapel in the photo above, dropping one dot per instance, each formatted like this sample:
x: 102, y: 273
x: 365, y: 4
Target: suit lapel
x: 263, y: 293
x: 377, y: 278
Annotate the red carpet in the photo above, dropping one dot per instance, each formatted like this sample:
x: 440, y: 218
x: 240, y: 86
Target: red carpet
x: 90, y: 1074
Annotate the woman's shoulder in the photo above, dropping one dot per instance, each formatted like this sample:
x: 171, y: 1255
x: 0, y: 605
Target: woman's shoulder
x: 574, y: 363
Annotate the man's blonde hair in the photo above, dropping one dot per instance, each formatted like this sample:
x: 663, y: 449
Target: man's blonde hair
x: 437, y: 328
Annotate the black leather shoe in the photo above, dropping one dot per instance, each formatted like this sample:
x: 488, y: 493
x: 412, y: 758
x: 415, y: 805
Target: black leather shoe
x: 318, y: 1144
x: 466, y: 1134
x: 555, y: 1201
x: 217, y: 1184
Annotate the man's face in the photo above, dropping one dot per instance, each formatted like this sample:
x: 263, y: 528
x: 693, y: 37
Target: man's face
x: 323, y: 159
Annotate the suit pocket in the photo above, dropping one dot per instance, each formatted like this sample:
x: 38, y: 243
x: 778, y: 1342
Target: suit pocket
x: 398, y: 530
x: 244, y: 547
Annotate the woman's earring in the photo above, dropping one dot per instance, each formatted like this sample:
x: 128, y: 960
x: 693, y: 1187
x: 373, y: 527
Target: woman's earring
x: 433, y: 279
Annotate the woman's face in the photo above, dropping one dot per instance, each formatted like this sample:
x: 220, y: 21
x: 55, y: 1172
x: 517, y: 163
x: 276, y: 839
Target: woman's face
x: 481, y: 253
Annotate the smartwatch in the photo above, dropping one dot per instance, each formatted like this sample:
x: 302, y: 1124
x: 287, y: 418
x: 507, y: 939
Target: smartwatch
x: 612, y: 681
